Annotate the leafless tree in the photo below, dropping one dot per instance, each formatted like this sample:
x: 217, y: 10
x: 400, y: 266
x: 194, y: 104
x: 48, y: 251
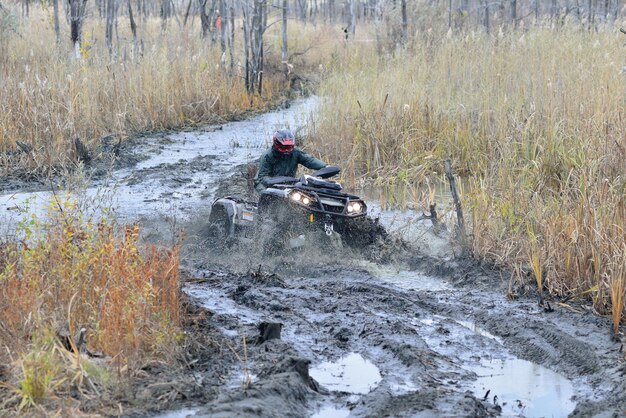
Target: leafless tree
x: 283, y: 51
x: 111, y: 12
x: 187, y: 13
x: 133, y: 26
x: 352, y: 17
x: 255, y: 24
x: 514, y: 12
x: 222, y: 24
x: 77, y: 10
x: 166, y: 11
x: 231, y: 38
x: 57, y: 29
x: 205, y: 23
x: 405, y: 21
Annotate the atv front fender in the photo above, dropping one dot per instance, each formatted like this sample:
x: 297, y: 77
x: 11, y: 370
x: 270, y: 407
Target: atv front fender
x: 223, y: 213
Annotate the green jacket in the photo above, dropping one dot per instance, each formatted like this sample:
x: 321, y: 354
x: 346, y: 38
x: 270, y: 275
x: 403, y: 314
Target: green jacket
x: 274, y: 164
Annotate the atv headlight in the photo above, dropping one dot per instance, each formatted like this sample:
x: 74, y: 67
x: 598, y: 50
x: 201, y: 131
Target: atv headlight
x: 301, y: 198
x: 355, y: 207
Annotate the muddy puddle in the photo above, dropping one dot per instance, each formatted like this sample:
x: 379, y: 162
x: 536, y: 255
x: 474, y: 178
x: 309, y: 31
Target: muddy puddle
x: 405, y: 279
x: 350, y: 374
x: 331, y: 412
x: 478, y: 330
x: 517, y: 386
x: 183, y: 413
x: 523, y: 388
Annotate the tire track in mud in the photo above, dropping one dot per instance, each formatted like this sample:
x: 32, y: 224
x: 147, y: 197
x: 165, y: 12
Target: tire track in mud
x: 425, y: 344
x: 330, y: 316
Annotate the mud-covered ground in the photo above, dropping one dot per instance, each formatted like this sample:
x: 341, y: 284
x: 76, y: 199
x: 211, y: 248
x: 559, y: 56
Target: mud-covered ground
x: 398, y: 328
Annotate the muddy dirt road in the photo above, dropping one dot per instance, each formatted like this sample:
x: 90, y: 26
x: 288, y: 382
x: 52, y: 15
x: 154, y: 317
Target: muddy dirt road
x: 341, y: 334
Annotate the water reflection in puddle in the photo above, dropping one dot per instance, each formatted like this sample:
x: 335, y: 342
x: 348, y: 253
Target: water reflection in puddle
x: 351, y: 374
x: 404, y: 279
x: 524, y: 388
x: 412, y: 280
x: 472, y: 327
x: 331, y: 412
x: 183, y: 413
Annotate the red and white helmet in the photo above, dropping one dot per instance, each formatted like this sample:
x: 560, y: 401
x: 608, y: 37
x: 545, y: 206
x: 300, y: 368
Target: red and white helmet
x: 283, y: 141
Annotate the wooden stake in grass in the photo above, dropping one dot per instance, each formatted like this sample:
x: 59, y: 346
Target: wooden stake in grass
x: 535, y: 261
x: 617, y: 303
x: 457, y: 204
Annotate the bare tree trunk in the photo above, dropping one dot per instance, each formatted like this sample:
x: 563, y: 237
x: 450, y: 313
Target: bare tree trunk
x: 101, y: 7
x: 110, y: 17
x: 231, y: 38
x: 486, y: 21
x: 262, y: 11
x: 213, y: 16
x: 222, y: 25
x: 165, y: 13
x: 284, y: 46
x: 205, y: 23
x: 255, y: 24
x: 187, y: 13
x: 77, y: 14
x: 352, y: 18
x: 173, y: 13
x: 133, y: 26
x: 57, y: 30
x: 301, y: 9
x: 248, y: 80
x: 405, y: 22
x: 514, y: 13
x: 330, y: 6
x: 536, y: 11
x: 208, y: 19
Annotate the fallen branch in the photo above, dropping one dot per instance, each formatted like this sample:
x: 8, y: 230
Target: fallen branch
x: 434, y: 218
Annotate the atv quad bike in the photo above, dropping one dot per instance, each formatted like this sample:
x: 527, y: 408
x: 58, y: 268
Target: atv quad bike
x: 289, y: 210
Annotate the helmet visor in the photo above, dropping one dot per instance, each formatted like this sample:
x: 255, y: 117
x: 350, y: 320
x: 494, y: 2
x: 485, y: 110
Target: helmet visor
x: 283, y: 142
x: 284, y: 148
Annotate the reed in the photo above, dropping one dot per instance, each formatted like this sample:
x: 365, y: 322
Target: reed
x: 534, y: 122
x: 48, y: 97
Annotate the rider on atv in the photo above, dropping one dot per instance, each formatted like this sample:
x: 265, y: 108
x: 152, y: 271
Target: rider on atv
x: 282, y: 159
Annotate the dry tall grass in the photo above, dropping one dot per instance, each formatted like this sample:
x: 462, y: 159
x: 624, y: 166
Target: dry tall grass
x: 534, y: 120
x: 48, y: 98
x: 67, y: 274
